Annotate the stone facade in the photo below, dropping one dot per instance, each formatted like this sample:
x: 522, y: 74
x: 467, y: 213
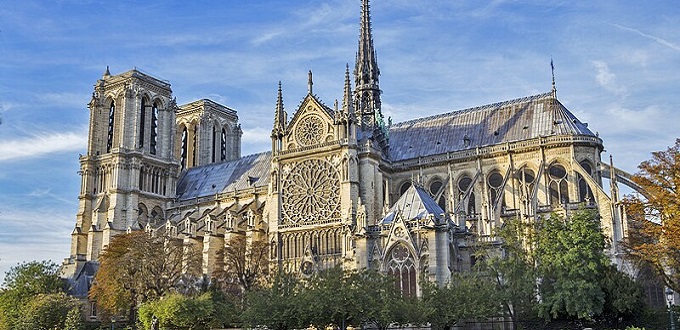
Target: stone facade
x: 339, y: 185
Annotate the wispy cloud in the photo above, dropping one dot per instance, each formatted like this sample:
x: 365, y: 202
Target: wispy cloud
x: 41, y: 144
x: 607, y: 79
x: 649, y: 36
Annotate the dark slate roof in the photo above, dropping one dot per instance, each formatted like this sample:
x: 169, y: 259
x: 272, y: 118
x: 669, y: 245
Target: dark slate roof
x: 246, y: 172
x: 78, y: 284
x: 414, y: 204
x: 509, y: 121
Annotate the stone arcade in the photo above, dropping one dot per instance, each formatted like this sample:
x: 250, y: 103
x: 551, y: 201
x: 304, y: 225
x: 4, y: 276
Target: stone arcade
x: 340, y: 186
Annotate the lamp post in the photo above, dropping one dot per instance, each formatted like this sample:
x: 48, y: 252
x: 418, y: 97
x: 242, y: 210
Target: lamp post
x: 669, y: 296
x: 113, y: 324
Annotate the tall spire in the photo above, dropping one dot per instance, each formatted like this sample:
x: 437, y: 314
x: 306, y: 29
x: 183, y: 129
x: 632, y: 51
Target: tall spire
x: 367, y: 104
x: 366, y: 71
x: 279, y: 116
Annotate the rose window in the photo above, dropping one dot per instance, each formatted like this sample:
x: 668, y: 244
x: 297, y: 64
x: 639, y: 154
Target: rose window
x: 310, y: 194
x: 310, y: 131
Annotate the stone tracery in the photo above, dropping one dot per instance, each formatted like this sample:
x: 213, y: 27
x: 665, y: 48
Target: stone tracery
x: 310, y: 193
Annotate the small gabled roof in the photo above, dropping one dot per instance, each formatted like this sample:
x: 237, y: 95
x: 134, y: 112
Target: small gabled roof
x: 509, y: 121
x: 415, y: 204
x: 243, y: 173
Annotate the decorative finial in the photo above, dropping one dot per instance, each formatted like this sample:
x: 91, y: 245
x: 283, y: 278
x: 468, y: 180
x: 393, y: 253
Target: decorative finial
x: 310, y: 82
x: 107, y: 73
x: 552, y: 69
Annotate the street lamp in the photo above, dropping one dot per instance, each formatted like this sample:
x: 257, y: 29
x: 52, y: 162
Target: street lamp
x: 669, y: 296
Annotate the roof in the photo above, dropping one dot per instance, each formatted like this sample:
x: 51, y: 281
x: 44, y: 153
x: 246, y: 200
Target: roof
x: 414, y: 204
x: 245, y: 172
x: 509, y: 121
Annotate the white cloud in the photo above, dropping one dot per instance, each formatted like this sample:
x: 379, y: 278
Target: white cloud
x: 607, y: 79
x: 42, y: 144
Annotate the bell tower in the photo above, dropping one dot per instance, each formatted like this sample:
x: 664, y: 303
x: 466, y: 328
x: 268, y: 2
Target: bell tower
x: 129, y: 172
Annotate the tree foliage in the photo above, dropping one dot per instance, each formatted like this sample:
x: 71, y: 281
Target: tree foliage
x: 135, y: 268
x: 654, y: 236
x: 557, y: 268
x: 22, y: 284
x: 466, y: 297
x: 571, y: 261
x: 512, y: 271
x: 277, y: 306
x: 48, y: 311
x: 176, y: 311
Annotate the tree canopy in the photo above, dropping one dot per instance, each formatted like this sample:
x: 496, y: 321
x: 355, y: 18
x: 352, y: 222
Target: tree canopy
x: 654, y: 236
x: 32, y: 298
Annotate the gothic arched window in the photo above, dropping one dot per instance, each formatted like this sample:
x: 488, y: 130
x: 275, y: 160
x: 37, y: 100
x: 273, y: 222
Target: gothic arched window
x: 142, y: 118
x: 436, y: 187
x: 495, y: 185
x: 154, y: 128
x: 213, y: 144
x: 585, y: 194
x: 402, y: 267
x: 109, y: 139
x: 404, y: 187
x: 464, y: 184
x: 142, y: 215
x: 183, y: 150
x: 223, y: 145
x: 193, y: 145
x: 527, y: 180
x: 559, y: 191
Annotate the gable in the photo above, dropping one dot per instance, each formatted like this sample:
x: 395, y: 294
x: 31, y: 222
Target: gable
x: 312, y: 124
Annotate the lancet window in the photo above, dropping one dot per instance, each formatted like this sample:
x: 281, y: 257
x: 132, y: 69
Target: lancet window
x: 183, y: 149
x: 142, y: 119
x: 558, y: 186
x: 112, y: 114
x: 464, y: 184
x: 495, y: 185
x: 585, y: 194
x: 436, y: 187
x: 223, y: 145
x: 404, y: 187
x: 402, y: 267
x: 154, y: 128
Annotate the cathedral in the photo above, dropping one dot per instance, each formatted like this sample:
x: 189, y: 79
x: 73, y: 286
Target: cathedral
x: 341, y: 185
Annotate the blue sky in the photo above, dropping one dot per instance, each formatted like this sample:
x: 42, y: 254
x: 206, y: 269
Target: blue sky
x: 617, y: 66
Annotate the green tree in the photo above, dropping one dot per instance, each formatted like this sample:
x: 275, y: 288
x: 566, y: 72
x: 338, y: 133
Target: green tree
x: 571, y: 261
x: 378, y: 301
x: 277, y: 306
x: 512, y: 268
x: 47, y: 312
x: 22, y: 283
x: 654, y: 219
x: 74, y: 320
x: 175, y: 311
x: 466, y: 297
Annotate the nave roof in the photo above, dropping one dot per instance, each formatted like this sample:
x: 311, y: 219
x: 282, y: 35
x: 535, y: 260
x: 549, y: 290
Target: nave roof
x: 245, y: 172
x: 509, y: 121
